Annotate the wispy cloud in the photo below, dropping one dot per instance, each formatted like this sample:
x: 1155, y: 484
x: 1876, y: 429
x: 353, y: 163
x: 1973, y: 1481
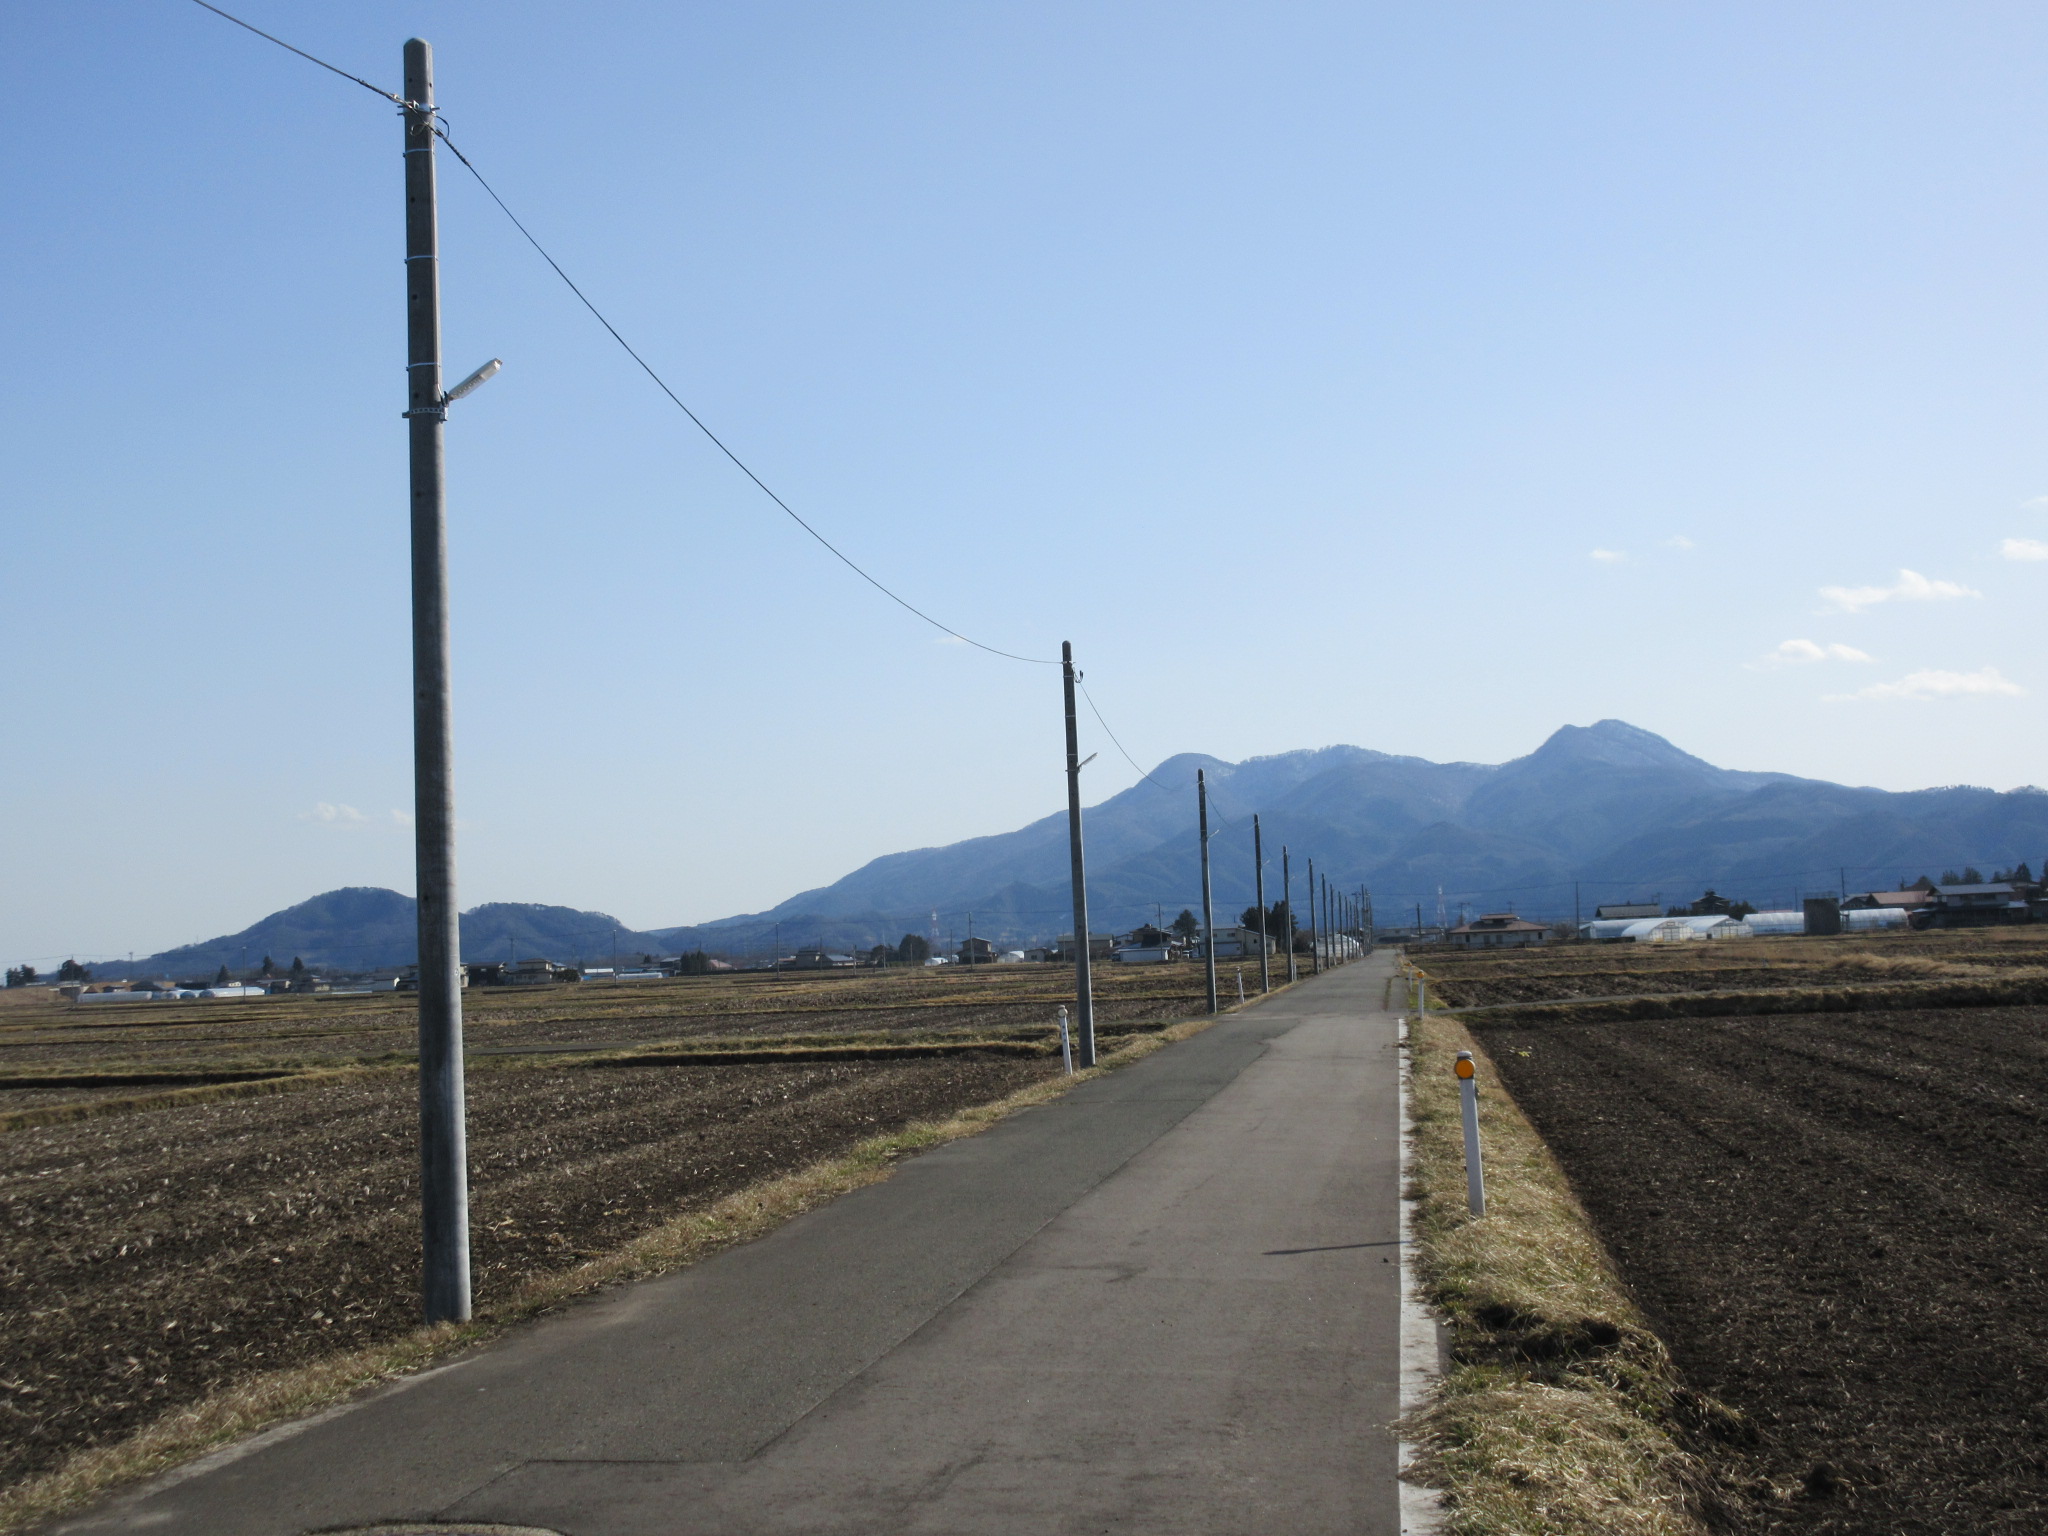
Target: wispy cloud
x: 2036, y: 503
x: 1800, y: 653
x: 1933, y: 683
x: 1911, y: 587
x: 333, y: 815
x: 2024, y: 549
x: 1609, y: 556
x: 948, y: 640
x: 402, y: 818
x: 1678, y: 541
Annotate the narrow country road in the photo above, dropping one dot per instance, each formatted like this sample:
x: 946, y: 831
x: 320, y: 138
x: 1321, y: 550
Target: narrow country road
x: 1166, y: 1304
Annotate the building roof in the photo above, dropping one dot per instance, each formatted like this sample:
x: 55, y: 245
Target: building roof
x: 2000, y: 888
x: 1914, y: 898
x: 1500, y: 922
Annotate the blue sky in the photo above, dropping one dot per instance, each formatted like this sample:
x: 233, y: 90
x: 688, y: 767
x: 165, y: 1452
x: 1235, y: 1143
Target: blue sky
x: 1422, y: 377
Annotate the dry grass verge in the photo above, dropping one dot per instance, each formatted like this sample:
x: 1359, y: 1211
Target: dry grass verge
x: 1561, y: 1414
x: 262, y: 1401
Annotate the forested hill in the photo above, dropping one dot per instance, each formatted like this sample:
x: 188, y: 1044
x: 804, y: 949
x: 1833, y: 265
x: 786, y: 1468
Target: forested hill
x: 367, y: 927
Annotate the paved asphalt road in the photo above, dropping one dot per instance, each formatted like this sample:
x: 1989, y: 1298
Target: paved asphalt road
x: 1166, y: 1303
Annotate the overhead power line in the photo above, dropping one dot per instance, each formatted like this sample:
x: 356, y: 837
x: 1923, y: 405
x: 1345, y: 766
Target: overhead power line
x: 660, y: 383
x: 391, y: 96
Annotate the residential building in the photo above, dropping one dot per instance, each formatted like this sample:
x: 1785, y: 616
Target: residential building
x: 1974, y: 906
x: 1235, y: 944
x: 1502, y: 929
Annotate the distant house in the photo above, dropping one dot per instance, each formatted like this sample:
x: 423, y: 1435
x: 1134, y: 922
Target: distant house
x: 1236, y: 943
x: 1630, y: 909
x: 1142, y: 954
x: 819, y: 959
x: 534, y: 972
x: 1100, y: 946
x: 1910, y: 901
x: 977, y: 952
x: 1503, y: 929
x: 1973, y: 906
x: 1040, y: 953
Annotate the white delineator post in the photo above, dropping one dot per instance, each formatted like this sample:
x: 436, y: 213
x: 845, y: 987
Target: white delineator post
x: 1066, y: 1045
x: 1475, y: 1176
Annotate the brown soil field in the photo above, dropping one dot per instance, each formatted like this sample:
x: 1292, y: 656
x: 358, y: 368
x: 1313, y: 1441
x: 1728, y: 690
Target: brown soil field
x: 151, y: 1255
x: 1556, y: 973
x: 1836, y: 1222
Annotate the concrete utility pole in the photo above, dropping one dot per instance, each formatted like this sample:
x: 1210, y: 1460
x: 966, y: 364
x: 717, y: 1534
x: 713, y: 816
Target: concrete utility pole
x: 1259, y: 894
x: 444, y: 1157
x: 1084, y: 988
x: 1287, y: 902
x: 1315, y: 938
x: 1208, y: 910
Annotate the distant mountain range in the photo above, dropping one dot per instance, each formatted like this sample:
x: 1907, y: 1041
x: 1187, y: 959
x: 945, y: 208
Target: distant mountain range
x: 1610, y: 809
x: 1598, y: 813
x: 366, y: 928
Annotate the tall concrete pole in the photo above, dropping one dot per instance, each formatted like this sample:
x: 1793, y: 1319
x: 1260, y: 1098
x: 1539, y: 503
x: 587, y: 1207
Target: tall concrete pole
x: 1084, y: 980
x: 1208, y: 910
x: 1315, y: 938
x: 1287, y: 902
x: 444, y: 1159
x: 1259, y: 893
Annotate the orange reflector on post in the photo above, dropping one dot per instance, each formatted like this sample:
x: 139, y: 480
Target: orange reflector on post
x: 1464, y: 1067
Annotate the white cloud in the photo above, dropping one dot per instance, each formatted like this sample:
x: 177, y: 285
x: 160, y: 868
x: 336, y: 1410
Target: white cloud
x: 1933, y: 683
x: 1799, y: 653
x: 1911, y: 587
x: 1678, y: 541
x: 402, y: 818
x: 949, y: 640
x: 333, y: 815
x: 2024, y: 549
x: 2038, y: 503
x: 1609, y: 556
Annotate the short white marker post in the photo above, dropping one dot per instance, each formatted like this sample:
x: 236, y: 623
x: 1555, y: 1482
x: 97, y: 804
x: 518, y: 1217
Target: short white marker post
x: 1240, y: 983
x: 1066, y: 1045
x: 1422, y: 994
x: 1475, y: 1176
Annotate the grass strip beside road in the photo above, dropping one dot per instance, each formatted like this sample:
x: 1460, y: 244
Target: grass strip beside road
x: 260, y: 1402
x: 1561, y: 1412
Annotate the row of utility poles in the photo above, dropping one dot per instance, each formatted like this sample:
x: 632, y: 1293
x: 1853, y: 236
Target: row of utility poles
x: 1339, y: 926
x: 1334, y: 916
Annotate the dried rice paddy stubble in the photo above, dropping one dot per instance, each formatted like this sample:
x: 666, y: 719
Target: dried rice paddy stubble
x: 1832, y: 1218
x: 1553, y: 973
x: 152, y: 1257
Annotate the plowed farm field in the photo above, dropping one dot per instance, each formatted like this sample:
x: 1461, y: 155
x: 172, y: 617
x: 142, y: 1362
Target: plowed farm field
x: 193, y: 1193
x: 1838, y: 1220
